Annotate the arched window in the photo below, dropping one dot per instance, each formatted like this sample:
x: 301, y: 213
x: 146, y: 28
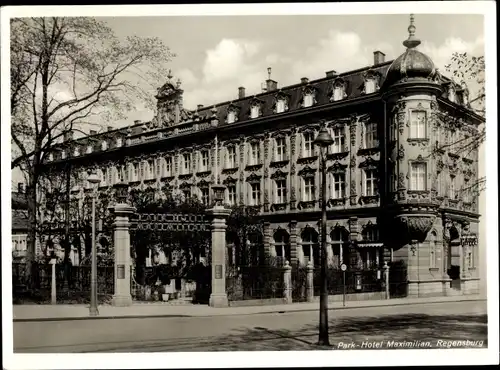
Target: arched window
x: 340, y: 244
x: 282, y: 245
x: 310, y: 246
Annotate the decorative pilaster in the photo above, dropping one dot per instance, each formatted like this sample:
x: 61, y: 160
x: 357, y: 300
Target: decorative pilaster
x: 293, y: 178
x: 218, y: 297
x: 267, y: 238
x: 122, y: 296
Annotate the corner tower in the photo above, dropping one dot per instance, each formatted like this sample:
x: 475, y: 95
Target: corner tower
x: 410, y: 90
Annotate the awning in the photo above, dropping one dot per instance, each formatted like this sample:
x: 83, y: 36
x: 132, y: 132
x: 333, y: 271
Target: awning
x: 370, y: 245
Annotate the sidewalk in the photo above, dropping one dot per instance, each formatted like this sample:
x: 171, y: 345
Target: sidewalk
x: 81, y: 312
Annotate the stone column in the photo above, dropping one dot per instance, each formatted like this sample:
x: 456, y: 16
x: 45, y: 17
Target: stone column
x: 218, y: 297
x: 386, y: 279
x: 310, y: 281
x: 53, y: 295
x: 122, y: 296
x: 287, y: 282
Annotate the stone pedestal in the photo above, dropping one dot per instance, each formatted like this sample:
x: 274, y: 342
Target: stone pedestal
x: 218, y: 297
x: 122, y: 296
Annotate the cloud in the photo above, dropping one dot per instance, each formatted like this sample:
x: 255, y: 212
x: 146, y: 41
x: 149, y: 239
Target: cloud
x: 441, y: 54
x: 242, y: 62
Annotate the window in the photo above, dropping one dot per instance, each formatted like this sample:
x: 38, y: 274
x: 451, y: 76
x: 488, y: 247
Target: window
x: 338, y: 185
x: 393, y: 130
x: 280, y: 149
x: 231, y: 157
x: 122, y: 174
x: 119, y: 142
x: 63, y: 154
x: 370, y: 234
x: 186, y: 193
x: 204, y: 160
x: 231, y: 195
x: 280, y: 191
x: 205, y: 196
x: 51, y: 157
x: 186, y: 159
x: 89, y: 149
x: 254, y: 153
x: 466, y: 192
x: 452, y: 189
x: 340, y: 243
x: 338, y: 136
x: 418, y: 176
x: 231, y: 117
x: 109, y: 175
x: 255, y: 111
x: 135, y: 173
x: 308, y: 189
x: 452, y: 96
x: 167, y: 166
x: 369, y: 86
x: 76, y: 153
x: 104, y: 145
x: 432, y: 251
x: 308, y: 150
x: 418, y: 124
x: 310, y: 246
x: 308, y: 100
x: 371, y: 137
x: 280, y: 106
x: 282, y: 245
x: 371, y: 188
x: 158, y: 167
x: 255, y: 196
x: 338, y: 93
x: 370, y: 258
x: 393, y: 178
x: 150, y: 170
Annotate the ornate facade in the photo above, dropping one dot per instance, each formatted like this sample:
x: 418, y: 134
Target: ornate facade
x: 398, y: 187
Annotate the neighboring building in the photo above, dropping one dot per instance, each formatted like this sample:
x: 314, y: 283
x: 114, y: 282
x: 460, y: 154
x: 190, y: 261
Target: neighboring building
x: 398, y: 186
x: 19, y: 224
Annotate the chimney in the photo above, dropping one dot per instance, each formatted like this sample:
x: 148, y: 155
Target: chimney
x: 199, y: 106
x: 110, y: 128
x: 304, y: 80
x: 68, y: 136
x: 241, y: 92
x: 378, y: 57
x: 271, y: 85
x: 20, y: 188
x: 93, y: 132
x: 331, y: 73
x: 137, y: 121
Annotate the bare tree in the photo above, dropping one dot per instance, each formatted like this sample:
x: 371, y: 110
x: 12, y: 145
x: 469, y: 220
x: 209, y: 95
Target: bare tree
x: 65, y: 73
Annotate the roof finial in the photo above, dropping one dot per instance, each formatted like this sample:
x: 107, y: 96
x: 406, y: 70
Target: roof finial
x: 412, y: 41
x: 169, y: 76
x: 268, y: 73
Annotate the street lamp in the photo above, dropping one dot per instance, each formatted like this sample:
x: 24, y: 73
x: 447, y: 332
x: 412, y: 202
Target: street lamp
x: 323, y: 140
x: 93, y: 179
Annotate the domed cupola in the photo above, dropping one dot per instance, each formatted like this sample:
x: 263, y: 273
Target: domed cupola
x: 412, y: 66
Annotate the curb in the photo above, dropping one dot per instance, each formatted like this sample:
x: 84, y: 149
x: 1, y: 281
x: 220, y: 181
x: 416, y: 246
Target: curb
x: 78, y: 318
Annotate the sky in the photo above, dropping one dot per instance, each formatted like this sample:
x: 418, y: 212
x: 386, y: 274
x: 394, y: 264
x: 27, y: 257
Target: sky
x: 217, y: 54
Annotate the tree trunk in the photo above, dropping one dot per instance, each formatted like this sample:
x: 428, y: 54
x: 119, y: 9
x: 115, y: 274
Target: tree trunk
x: 31, y: 237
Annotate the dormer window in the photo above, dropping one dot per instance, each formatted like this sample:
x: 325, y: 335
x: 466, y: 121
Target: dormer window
x: 119, y: 142
x: 63, y: 154
x: 231, y: 117
x: 77, y: 152
x: 255, y: 111
x: 338, y: 90
x: 308, y: 100
x: 369, y: 86
x: 51, y: 157
x: 89, y: 149
x: 452, y: 95
x: 104, y: 145
x: 280, y: 106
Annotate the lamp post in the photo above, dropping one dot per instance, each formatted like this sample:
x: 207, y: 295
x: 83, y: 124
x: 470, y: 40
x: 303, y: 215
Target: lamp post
x: 323, y: 140
x: 93, y: 179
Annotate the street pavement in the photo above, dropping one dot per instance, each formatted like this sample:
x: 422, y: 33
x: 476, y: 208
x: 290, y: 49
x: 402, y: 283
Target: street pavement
x: 349, y: 329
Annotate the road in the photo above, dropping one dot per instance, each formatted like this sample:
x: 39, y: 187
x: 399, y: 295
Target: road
x: 285, y: 331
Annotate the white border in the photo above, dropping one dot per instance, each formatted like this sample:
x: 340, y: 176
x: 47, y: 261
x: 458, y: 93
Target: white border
x: 279, y: 359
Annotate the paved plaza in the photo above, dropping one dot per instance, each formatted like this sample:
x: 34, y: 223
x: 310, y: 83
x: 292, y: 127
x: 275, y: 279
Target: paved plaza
x: 363, y: 327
